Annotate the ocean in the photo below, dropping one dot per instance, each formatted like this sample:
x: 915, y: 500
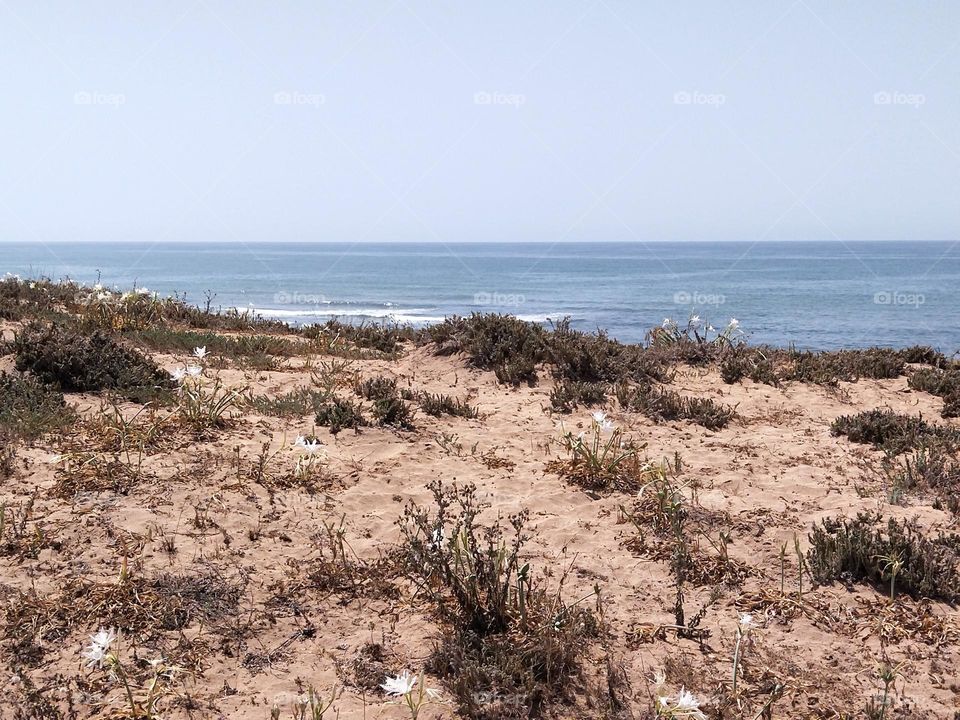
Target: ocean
x: 818, y: 295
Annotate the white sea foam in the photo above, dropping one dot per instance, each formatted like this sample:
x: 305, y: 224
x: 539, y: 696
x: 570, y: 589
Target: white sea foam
x: 408, y: 316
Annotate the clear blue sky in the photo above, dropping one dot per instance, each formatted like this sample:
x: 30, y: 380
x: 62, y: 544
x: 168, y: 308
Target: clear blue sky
x: 498, y: 120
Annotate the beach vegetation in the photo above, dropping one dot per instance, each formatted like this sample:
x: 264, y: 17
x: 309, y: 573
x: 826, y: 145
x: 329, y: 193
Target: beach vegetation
x: 79, y: 362
x: 29, y: 409
x: 663, y: 405
x: 893, y: 432
x: 896, y: 555
x: 509, y: 646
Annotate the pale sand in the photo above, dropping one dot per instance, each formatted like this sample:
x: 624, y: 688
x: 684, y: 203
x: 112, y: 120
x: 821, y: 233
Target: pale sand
x: 775, y: 470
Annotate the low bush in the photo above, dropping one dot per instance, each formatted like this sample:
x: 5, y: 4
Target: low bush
x: 753, y: 363
x: 568, y: 395
x: 21, y: 298
x: 829, y: 368
x: 899, y: 556
x: 504, y: 635
x: 384, y: 339
x: 892, y: 432
x: 942, y: 383
x: 8, y: 455
x: 296, y: 403
x: 389, y: 408
x: 79, y: 362
x: 510, y: 347
x: 929, y: 468
x: 340, y: 413
x: 951, y: 405
x: 28, y: 409
x: 242, y: 346
x: 437, y: 405
x: 662, y: 405
x: 924, y: 355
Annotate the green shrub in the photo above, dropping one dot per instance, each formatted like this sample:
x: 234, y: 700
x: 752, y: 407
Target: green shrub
x: 510, y: 347
x: 568, y: 395
x: 340, y: 413
x: 923, y: 355
x: 382, y: 338
x: 28, y: 409
x: 296, y: 403
x: 859, y: 550
x: 243, y: 346
x: 662, y: 405
x: 503, y: 633
x: 951, y: 405
x: 829, y: 368
x: 437, y: 405
x: 757, y: 364
x: 929, y: 468
x: 78, y: 362
x: 389, y: 407
x: 891, y: 431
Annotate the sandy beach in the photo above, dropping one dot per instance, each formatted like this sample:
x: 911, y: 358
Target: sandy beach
x: 251, y: 569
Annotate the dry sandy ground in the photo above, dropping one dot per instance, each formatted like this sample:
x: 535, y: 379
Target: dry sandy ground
x: 771, y: 473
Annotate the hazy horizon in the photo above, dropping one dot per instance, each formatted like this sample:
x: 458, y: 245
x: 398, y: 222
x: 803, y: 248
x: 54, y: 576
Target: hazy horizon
x: 405, y: 121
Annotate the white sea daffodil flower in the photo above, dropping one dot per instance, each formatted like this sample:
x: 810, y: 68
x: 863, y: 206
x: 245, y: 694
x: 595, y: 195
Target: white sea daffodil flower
x: 194, y: 370
x: 178, y: 374
x: 685, y: 705
x: 200, y: 352
x: 399, y: 685
x: 98, y: 649
x: 311, y: 447
x: 600, y: 418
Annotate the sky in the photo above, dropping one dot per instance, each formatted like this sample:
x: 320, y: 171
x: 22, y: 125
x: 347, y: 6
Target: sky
x: 483, y: 121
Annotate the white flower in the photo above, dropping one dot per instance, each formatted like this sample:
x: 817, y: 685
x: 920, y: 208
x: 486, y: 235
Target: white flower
x: 200, y: 352
x: 659, y: 678
x: 685, y: 705
x: 746, y: 622
x: 311, y: 447
x: 143, y: 291
x: 194, y: 370
x: 399, y: 685
x: 178, y: 374
x: 300, y: 441
x: 33, y: 285
x: 694, y: 320
x: 600, y: 418
x: 98, y: 286
x: 96, y: 652
x: 733, y: 324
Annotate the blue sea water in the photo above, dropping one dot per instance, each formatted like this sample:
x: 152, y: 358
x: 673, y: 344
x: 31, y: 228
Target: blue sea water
x: 819, y: 295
